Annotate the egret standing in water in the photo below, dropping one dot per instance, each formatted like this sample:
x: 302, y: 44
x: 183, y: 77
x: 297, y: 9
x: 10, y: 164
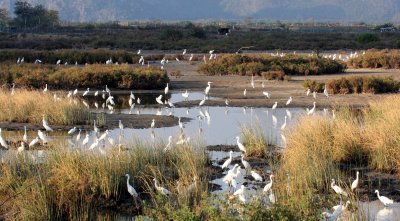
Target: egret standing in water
x: 386, y: 201
x: 240, y: 145
x: 274, y: 106
x: 228, y: 161
x: 2, y: 141
x: 310, y: 112
x: 207, y: 90
x: 86, y: 92
x: 284, y: 124
x: 46, y: 125
x: 166, y: 89
x: 153, y: 124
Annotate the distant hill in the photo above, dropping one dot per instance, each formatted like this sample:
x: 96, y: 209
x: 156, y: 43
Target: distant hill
x: 301, y: 10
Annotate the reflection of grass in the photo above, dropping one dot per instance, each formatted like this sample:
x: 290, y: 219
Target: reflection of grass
x: 30, y: 106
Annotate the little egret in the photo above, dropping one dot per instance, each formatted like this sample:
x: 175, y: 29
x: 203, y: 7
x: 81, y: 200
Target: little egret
x: 252, y: 82
x: 289, y: 114
x: 355, y: 182
x: 311, y: 112
x: 130, y: 188
x: 228, y: 161
x: 289, y: 101
x: 86, y: 92
x: 226, y: 102
x: 266, y: 94
x: 240, y: 145
x: 161, y: 189
x: 104, y: 135
x: 46, y: 125
x: 78, y: 137
x: 72, y: 131
x: 207, y: 90
x: 75, y: 91
x: 25, y: 137
x: 386, y: 201
x: 180, y: 123
x: 326, y: 91
x: 2, y: 141
x: 337, y: 188
x: 34, y: 142
x: 158, y: 99
x: 120, y: 125
x: 268, y: 186
x: 166, y: 89
x: 245, y: 163
x: 314, y: 94
x: 256, y: 176
x: 275, y: 105
x: 95, y: 128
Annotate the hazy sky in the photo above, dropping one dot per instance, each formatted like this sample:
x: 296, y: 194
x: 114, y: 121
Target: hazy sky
x: 295, y: 10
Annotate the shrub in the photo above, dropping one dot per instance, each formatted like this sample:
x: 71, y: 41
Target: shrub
x: 275, y: 75
x: 313, y: 85
x: 376, y: 59
x: 367, y: 38
x: 368, y: 84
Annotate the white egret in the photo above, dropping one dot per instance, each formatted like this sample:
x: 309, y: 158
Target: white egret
x: 252, y: 82
x: 95, y: 128
x: 45, y: 89
x: 130, y: 188
x: 21, y: 148
x: 314, y: 94
x: 245, y: 92
x: 25, y: 136
x: 245, y: 163
x: 153, y: 124
x: 355, y: 182
x: 161, y: 189
x: 240, y: 145
x: 104, y: 135
x: 289, y: 101
x: 34, y: 142
x: 42, y: 136
x: 58, y: 62
x: 386, y: 201
x: 284, y: 124
x: 169, y: 144
x: 207, y: 90
x: 180, y: 123
x: 226, y: 102
x: 96, y: 93
x: 228, y: 161
x: 338, y: 210
x: 72, y: 131
x: 86, y: 92
x: 268, y: 186
x: 78, y: 137
x: 275, y: 105
x: 274, y: 120
x: 191, y: 57
x: 338, y: 189
x: 185, y: 95
x: 263, y: 85
x: 240, y: 193
x: 46, y: 125
x: 308, y: 91
x: 184, y: 52
x: 284, y: 142
x: 2, y: 141
x: 85, y: 140
x: 75, y: 91
x: 170, y: 104
x: 94, y: 144
x: 256, y: 176
x: 166, y: 89
x: 266, y: 94
x: 139, y: 51
x: 120, y: 125
x: 202, y: 101
x: 326, y: 91
x: 108, y: 90
x: 310, y: 112
x: 289, y: 114
x: 69, y: 94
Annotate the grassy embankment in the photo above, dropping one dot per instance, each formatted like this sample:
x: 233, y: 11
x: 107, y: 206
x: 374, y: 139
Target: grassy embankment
x: 92, y: 76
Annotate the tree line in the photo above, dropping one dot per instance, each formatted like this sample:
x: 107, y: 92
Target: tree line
x: 29, y: 16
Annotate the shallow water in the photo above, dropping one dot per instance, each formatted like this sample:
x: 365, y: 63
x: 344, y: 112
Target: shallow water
x: 376, y: 211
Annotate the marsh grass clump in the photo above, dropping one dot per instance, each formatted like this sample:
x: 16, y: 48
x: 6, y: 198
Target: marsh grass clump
x: 92, y: 76
x: 255, y: 141
x: 72, y: 184
x: 27, y: 106
x: 388, y: 59
x: 256, y: 64
x: 366, y: 84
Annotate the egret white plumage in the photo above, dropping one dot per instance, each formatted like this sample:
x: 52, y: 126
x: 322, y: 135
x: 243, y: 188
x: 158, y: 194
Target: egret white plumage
x: 45, y: 89
x: 94, y: 144
x: 120, y: 125
x: 130, y: 188
x: 42, y: 136
x: 202, y: 101
x: 46, y: 125
x: 314, y: 94
x: 275, y: 105
x: 96, y: 93
x: 161, y: 189
x: 386, y: 201
x: 207, y: 90
x: 180, y: 123
x: 86, y: 92
x: 166, y: 89
x: 25, y: 136
x: 72, y: 131
x: 153, y: 123
x: 240, y: 145
x: 355, y: 182
x: 266, y: 94
x: 228, y: 161
x: 252, y: 82
x: 338, y: 189
x: 226, y: 102
x: 256, y: 176
x: 240, y: 193
x: 3, y: 141
x: 78, y: 137
x: 104, y: 135
x: 69, y: 94
x: 326, y: 91
x: 169, y: 144
x: 289, y: 101
x: 310, y: 112
x: 284, y: 124
x: 95, y: 128
x: 158, y: 99
x: 245, y: 163
x: 21, y: 148
x: 268, y: 186
x: 75, y: 91
x: 185, y: 95
x: 245, y: 92
x: 308, y: 91
x: 34, y: 142
x: 85, y: 140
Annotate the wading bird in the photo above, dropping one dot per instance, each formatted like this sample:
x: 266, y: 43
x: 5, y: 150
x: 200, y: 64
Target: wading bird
x: 46, y: 125
x: 86, y: 92
x: 240, y: 145
x: 130, y: 188
x: 355, y: 182
x: 2, y: 141
x: 289, y: 101
x: 161, y: 189
x: 268, y: 186
x: 338, y: 189
x: 386, y: 201
x: 228, y: 161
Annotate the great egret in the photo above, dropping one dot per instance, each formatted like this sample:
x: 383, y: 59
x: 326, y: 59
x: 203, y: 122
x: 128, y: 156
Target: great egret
x: 314, y: 94
x: 2, y: 141
x: 245, y: 163
x: 338, y: 189
x: 202, y: 101
x: 245, y: 92
x: 78, y: 137
x: 231, y: 175
x: 72, y: 131
x: 207, y: 90
x: 274, y: 120
x: 161, y: 189
x: 120, y: 125
x: 289, y: 101
x: 169, y: 144
x: 34, y: 142
x: 96, y: 93
x: 310, y: 112
x: 46, y: 125
x: 226, y: 102
x: 153, y: 123
x: 94, y: 144
x: 69, y: 94
x: 355, y: 182
x: 25, y: 137
x: 240, y: 145
x: 240, y: 193
x: 386, y: 201
x: 191, y: 57
x: 104, y: 135
x: 130, y: 188
x: 158, y: 99
x: 58, y: 62
x: 308, y: 91
x: 86, y: 92
x: 252, y: 82
x: 166, y: 89
x: 45, y: 89
x: 256, y: 176
x: 95, y: 128
x: 228, y: 161
x: 180, y: 123
x: 284, y: 124
x: 326, y: 91
x: 338, y: 210
x: 75, y: 91
x: 268, y: 186
x: 275, y: 105
x: 266, y: 94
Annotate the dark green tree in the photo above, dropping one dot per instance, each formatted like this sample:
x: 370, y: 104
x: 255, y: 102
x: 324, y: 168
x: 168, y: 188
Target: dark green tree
x: 34, y: 16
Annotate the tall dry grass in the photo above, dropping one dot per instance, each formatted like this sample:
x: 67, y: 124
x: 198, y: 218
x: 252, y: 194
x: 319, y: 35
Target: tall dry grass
x: 29, y: 107
x: 72, y: 184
